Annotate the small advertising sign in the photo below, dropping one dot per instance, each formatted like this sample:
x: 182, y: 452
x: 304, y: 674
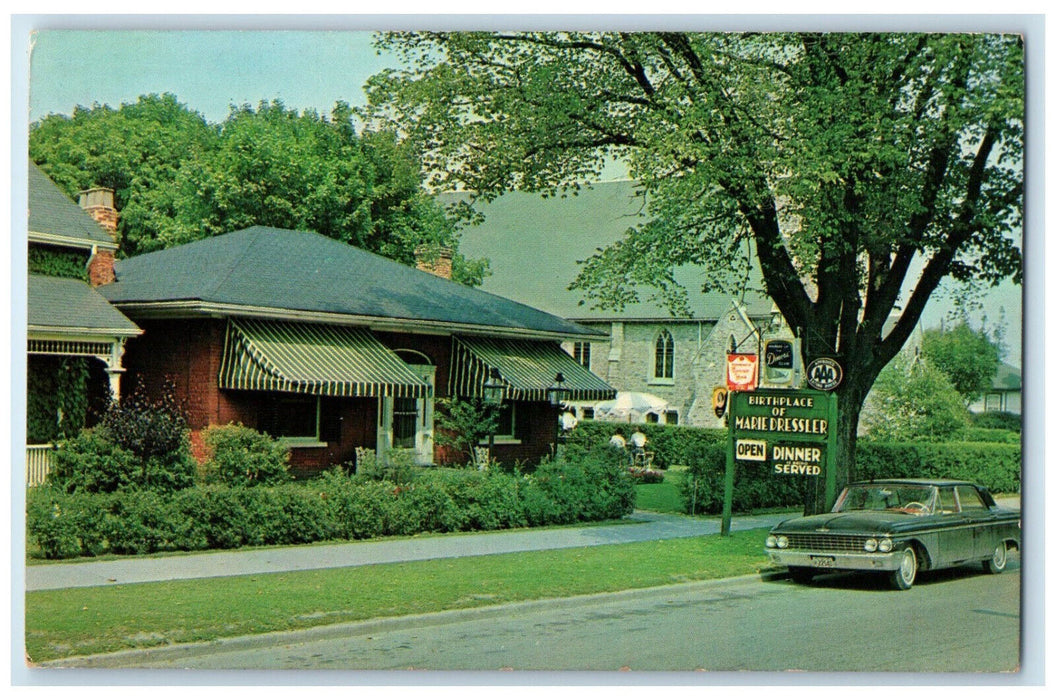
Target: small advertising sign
x: 742, y: 371
x: 824, y: 374
x: 718, y: 401
x: 751, y: 450
x: 779, y: 362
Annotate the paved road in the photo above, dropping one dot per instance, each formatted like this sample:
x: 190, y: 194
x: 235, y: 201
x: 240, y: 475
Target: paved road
x: 639, y: 527
x: 951, y: 621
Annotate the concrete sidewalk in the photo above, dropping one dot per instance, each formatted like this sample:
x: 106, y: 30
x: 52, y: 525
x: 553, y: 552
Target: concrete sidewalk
x: 639, y: 527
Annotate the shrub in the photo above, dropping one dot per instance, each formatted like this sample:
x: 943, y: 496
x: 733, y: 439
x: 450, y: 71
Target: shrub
x: 645, y: 476
x: 93, y: 462
x: 997, y: 421
x: 993, y: 465
x: 241, y: 456
x: 581, y: 486
x: 670, y: 444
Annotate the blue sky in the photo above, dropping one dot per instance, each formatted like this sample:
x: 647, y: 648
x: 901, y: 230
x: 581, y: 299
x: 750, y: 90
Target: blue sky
x: 207, y: 70
x: 211, y: 70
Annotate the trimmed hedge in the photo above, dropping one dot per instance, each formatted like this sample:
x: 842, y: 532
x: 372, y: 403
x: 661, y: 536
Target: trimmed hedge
x: 580, y: 487
x: 670, y: 444
x: 993, y: 465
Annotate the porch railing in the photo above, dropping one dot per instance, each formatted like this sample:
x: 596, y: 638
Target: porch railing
x: 38, y: 463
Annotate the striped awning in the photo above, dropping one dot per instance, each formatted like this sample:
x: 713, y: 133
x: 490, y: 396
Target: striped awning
x: 305, y: 358
x: 527, y: 367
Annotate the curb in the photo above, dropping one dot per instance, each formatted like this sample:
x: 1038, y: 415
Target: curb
x: 119, y: 659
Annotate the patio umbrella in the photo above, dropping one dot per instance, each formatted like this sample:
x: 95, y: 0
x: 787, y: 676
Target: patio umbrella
x: 628, y: 405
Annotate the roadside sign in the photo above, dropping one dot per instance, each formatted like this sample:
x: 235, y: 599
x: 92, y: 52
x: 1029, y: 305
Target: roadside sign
x: 790, y: 434
x: 751, y: 450
x: 824, y: 374
x: 742, y: 371
x: 719, y: 397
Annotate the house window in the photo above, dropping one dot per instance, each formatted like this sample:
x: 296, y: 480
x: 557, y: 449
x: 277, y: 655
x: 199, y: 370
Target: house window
x: 671, y: 418
x: 291, y: 418
x: 993, y: 402
x: 664, y: 357
x: 404, y: 422
x: 581, y: 352
x: 507, y: 422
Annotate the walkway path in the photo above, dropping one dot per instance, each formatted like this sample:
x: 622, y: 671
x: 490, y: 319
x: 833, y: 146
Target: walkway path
x: 639, y: 527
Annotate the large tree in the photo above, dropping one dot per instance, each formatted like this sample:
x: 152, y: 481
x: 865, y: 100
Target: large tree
x: 968, y: 357
x: 840, y: 162
x: 178, y: 179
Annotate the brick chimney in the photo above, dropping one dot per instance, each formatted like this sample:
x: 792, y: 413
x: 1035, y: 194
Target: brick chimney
x: 434, y: 259
x: 98, y: 202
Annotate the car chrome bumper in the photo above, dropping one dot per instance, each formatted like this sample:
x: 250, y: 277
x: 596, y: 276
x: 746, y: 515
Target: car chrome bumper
x: 866, y: 561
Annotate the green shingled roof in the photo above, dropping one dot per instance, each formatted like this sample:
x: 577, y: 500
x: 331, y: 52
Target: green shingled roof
x: 294, y: 271
x: 61, y: 305
x: 534, y: 245
x: 55, y: 218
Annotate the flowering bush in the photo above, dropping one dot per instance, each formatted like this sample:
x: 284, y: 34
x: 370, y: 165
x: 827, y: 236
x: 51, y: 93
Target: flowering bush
x: 641, y: 475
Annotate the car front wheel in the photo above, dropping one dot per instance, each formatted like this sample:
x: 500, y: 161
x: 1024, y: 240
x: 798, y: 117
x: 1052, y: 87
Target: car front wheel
x: 998, y: 560
x: 903, y: 577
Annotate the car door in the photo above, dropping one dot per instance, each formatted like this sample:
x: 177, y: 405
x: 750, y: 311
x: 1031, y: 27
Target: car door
x: 981, y: 519
x: 954, y: 532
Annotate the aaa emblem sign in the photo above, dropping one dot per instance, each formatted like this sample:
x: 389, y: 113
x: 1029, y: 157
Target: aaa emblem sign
x: 742, y: 372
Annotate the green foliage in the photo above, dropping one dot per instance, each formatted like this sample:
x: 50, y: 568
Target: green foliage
x: 839, y: 161
x: 139, y: 444
x: 998, y: 421
x: 56, y: 397
x: 241, y: 456
x: 996, y: 466
x: 58, y: 262
x: 178, y: 179
x: 974, y: 434
x: 967, y: 357
x: 912, y: 400
x: 462, y: 424
x: 670, y: 444
x: 580, y: 487
x: 93, y: 462
x: 155, y: 431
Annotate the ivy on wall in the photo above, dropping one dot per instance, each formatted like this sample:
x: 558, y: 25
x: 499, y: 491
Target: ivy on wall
x: 56, y: 397
x: 58, y: 262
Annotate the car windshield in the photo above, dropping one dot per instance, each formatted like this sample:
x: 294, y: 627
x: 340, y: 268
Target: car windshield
x: 905, y: 498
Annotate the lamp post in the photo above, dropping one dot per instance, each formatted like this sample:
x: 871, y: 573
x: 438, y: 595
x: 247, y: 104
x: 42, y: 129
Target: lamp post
x: 556, y: 393
x: 494, y: 393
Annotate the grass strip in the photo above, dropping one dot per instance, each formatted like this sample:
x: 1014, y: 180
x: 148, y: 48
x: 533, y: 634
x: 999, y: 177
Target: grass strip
x: 80, y: 621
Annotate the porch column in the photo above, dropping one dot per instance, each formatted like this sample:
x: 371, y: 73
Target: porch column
x: 114, y: 370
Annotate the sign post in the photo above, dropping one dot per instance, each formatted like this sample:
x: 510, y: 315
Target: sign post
x: 791, y: 434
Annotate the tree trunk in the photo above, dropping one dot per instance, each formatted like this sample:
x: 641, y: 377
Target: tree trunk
x: 850, y: 398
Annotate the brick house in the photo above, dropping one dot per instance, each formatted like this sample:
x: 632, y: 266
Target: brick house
x: 333, y: 348
x: 644, y: 347
x: 72, y: 331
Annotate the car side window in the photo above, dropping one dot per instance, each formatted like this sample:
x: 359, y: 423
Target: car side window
x: 947, y: 501
x: 970, y: 499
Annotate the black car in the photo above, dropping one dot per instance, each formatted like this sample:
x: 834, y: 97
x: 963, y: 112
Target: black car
x: 899, y: 527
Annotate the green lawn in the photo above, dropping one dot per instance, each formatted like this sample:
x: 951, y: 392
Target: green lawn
x: 80, y: 621
x: 663, y: 497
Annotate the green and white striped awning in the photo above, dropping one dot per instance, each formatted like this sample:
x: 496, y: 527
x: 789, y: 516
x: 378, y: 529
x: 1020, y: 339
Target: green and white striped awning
x: 527, y: 367
x: 305, y: 358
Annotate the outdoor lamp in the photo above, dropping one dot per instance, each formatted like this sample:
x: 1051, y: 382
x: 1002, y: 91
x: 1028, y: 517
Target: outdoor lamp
x: 557, y: 390
x: 494, y: 388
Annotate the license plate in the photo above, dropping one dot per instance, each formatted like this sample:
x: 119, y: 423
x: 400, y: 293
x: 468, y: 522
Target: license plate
x: 823, y: 562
